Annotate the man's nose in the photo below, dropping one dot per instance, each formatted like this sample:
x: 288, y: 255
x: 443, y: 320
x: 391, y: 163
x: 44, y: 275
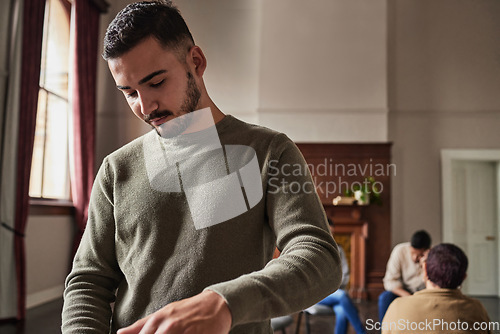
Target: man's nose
x: 148, y: 105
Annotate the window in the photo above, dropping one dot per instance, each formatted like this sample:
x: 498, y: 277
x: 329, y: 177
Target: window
x: 50, y: 167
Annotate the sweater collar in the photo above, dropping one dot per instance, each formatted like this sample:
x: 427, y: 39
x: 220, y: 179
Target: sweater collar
x: 456, y: 293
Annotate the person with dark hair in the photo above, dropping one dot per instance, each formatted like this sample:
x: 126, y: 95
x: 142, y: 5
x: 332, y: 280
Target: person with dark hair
x: 441, y: 306
x: 344, y: 308
x: 183, y: 221
x: 403, y: 275
x: 420, y: 240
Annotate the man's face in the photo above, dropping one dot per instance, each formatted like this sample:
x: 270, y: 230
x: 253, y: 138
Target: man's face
x: 418, y: 255
x: 157, y: 85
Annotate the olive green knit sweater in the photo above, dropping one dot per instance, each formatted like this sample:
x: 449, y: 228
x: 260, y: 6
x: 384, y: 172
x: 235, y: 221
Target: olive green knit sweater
x: 142, y: 251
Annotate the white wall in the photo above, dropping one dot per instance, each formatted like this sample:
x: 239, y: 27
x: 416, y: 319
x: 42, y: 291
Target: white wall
x: 444, y: 79
x: 49, y: 241
x: 323, y: 70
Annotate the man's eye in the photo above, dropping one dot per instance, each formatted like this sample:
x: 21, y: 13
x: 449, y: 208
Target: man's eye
x: 158, y: 84
x: 131, y: 94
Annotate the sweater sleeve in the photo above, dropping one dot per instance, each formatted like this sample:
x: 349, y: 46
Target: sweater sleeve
x: 309, y: 266
x: 91, y: 285
x: 393, y: 275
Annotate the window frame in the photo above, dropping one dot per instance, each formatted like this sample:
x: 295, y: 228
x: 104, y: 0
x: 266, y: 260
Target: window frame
x: 53, y: 206
x: 50, y: 207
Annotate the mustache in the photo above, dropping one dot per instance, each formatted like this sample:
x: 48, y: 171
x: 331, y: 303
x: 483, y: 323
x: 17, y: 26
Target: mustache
x: 157, y: 114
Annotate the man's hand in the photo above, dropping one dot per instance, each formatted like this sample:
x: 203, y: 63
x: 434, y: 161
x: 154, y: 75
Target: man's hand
x: 205, y: 313
x: 423, y: 259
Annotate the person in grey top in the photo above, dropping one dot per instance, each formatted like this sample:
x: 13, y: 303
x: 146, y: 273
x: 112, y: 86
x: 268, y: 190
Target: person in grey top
x: 183, y: 221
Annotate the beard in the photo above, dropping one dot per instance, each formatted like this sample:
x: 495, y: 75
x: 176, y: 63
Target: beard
x: 179, y: 124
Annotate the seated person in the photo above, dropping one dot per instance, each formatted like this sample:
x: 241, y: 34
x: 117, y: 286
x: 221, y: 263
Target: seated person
x: 403, y: 275
x: 441, y: 306
x: 341, y: 302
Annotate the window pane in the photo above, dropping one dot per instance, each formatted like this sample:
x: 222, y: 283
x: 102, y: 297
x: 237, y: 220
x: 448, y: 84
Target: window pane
x: 56, y: 169
x: 56, y: 62
x: 50, y: 167
x: 37, y: 163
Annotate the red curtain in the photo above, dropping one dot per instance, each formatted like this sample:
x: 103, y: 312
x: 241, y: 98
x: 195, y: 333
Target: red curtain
x: 86, y: 25
x: 30, y: 75
x: 86, y: 34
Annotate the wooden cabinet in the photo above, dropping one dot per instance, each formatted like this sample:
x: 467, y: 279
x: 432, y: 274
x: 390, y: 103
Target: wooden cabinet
x: 351, y: 234
x: 364, y: 231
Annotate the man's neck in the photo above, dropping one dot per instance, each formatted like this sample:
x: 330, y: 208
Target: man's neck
x: 216, y: 113
x: 431, y: 286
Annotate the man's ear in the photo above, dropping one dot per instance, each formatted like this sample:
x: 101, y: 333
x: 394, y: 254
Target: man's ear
x: 196, y: 60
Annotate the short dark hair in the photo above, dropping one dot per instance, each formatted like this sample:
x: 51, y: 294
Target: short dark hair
x: 159, y: 19
x: 446, y: 266
x: 421, y: 240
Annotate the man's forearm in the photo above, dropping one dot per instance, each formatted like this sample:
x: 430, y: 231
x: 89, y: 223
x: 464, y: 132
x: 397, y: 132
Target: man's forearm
x: 295, y: 280
x: 401, y: 292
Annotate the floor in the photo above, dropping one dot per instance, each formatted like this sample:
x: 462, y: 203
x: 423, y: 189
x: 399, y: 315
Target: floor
x: 46, y: 319
x: 43, y: 319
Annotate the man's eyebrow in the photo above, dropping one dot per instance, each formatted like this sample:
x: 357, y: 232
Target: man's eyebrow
x: 145, y: 79
x: 151, y: 76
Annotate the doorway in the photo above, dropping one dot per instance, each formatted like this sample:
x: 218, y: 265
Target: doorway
x: 471, y: 214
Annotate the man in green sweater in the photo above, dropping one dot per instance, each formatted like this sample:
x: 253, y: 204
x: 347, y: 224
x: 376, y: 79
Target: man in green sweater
x: 171, y: 245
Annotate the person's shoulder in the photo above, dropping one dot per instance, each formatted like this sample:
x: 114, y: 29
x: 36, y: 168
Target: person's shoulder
x: 470, y: 300
x: 479, y: 307
x: 470, y: 305
x: 235, y: 125
x: 402, y: 247
x: 235, y: 131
